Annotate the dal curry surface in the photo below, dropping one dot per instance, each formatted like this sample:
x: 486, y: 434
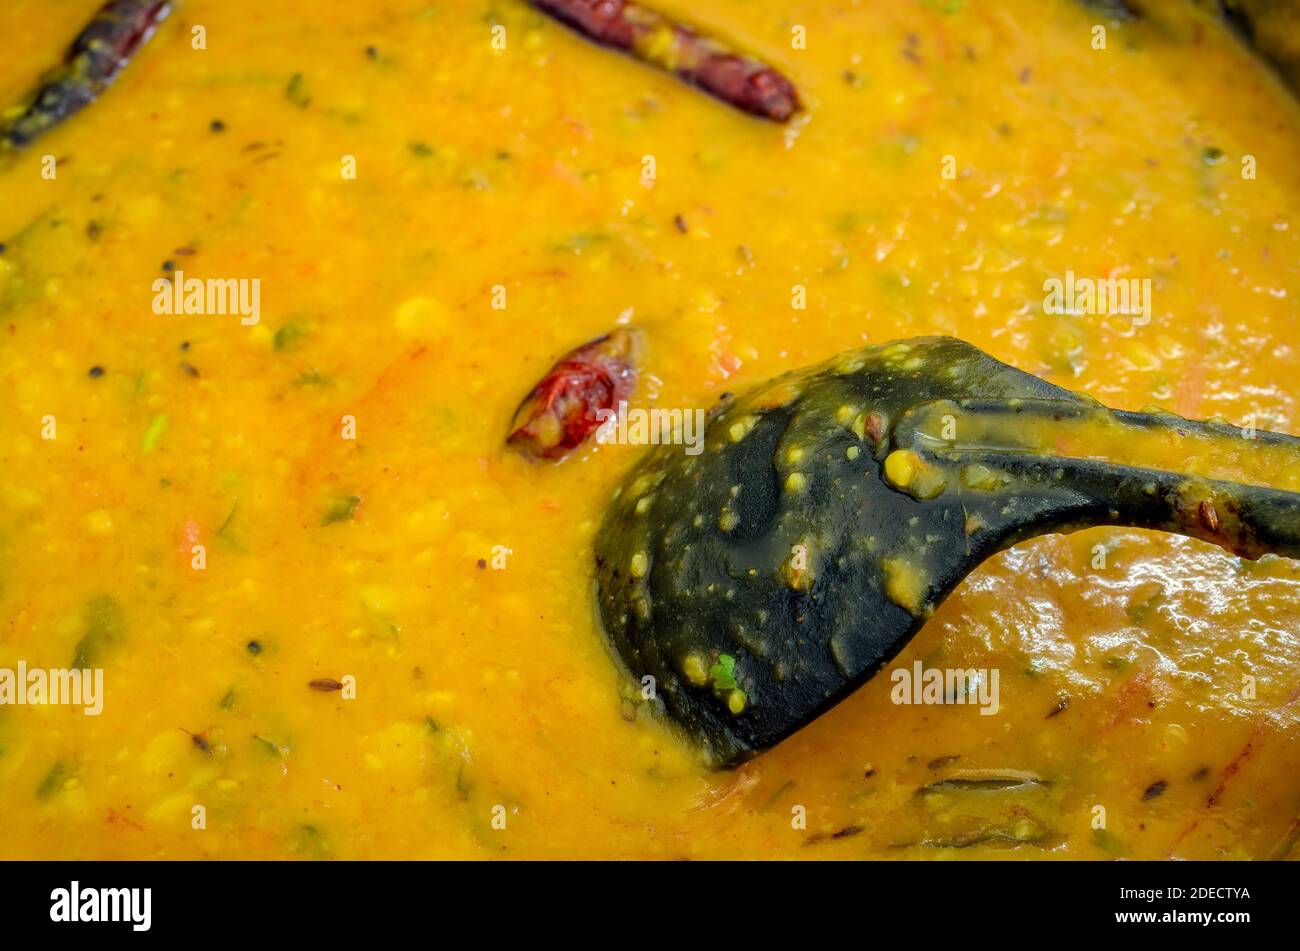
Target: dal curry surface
x: 449, y: 580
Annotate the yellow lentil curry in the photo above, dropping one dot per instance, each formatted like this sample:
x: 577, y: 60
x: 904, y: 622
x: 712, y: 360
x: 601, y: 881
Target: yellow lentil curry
x: 436, y: 209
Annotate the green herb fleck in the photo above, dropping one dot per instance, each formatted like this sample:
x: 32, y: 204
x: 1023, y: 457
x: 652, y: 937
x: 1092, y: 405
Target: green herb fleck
x: 583, y: 241
x: 312, y: 377
x: 1107, y: 842
x: 310, y: 842
x: 287, y: 337
x: 52, y: 781
x: 723, y: 673
x: 341, y: 509
x: 296, y: 91
x: 102, y: 618
x: 154, y: 434
x: 228, y: 524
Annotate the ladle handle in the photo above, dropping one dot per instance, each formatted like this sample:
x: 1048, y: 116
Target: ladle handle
x: 1070, y: 464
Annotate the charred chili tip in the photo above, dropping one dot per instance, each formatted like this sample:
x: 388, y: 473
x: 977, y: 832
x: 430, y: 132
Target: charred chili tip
x: 739, y: 80
x: 575, y: 397
x: 107, y: 43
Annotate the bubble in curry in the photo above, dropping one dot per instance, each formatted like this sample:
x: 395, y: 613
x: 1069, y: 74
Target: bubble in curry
x: 565, y: 429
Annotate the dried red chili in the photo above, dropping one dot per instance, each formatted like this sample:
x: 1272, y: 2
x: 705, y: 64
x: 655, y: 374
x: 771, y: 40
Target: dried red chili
x: 564, y: 408
x: 737, y: 79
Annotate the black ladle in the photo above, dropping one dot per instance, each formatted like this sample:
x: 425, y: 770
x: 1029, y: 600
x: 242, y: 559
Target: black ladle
x: 763, y: 580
